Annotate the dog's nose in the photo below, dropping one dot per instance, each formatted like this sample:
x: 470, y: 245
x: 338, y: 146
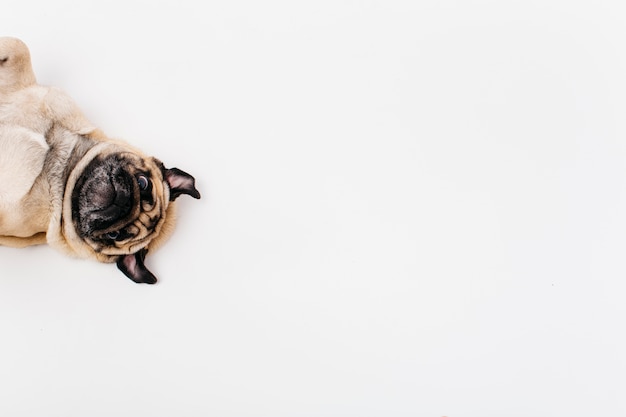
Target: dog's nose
x: 120, y: 200
x: 123, y: 200
x: 120, y: 208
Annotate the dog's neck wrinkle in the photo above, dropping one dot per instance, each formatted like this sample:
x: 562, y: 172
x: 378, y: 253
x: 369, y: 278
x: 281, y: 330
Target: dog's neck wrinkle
x: 82, y: 146
x: 62, y: 157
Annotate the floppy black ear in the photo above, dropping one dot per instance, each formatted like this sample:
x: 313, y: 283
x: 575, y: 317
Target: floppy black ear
x: 180, y: 183
x: 132, y: 266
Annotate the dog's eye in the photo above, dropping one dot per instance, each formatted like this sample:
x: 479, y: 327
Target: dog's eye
x: 143, y: 182
x: 113, y: 235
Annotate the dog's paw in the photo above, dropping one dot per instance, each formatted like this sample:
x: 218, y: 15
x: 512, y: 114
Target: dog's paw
x: 16, y: 71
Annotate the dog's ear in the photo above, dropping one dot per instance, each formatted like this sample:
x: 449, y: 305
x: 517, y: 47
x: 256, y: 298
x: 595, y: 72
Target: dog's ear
x: 180, y: 183
x: 132, y: 266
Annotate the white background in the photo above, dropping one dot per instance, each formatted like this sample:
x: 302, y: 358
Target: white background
x: 409, y: 208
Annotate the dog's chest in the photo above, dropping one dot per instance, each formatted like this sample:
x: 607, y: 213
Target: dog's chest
x: 22, y: 156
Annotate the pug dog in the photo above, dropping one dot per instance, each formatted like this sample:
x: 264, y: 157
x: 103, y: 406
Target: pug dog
x: 65, y: 183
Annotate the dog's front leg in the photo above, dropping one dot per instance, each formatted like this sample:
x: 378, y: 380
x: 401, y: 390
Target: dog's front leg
x: 22, y: 242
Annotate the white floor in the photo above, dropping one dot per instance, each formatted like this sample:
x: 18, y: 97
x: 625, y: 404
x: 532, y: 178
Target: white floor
x: 409, y: 208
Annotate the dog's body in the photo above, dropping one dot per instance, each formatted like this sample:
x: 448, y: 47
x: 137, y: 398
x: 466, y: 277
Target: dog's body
x: 62, y: 181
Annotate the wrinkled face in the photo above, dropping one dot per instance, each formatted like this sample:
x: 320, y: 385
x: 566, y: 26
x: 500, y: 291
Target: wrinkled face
x: 119, y: 203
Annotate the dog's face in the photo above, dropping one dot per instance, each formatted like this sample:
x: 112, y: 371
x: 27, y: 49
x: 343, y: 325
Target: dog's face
x: 119, y: 205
